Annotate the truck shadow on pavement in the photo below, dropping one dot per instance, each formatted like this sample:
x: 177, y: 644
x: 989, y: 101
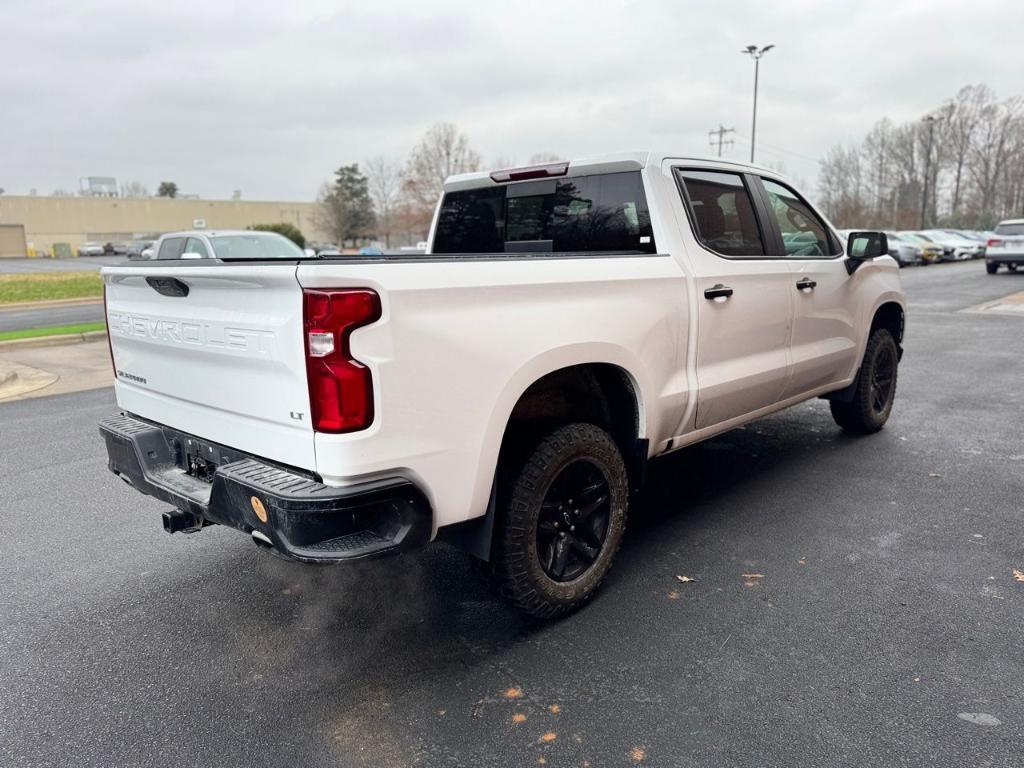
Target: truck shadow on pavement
x: 348, y: 651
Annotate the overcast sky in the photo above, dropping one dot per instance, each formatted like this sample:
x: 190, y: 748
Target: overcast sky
x: 270, y: 97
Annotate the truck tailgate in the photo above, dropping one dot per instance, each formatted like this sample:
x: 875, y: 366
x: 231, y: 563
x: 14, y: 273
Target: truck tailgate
x: 215, y: 351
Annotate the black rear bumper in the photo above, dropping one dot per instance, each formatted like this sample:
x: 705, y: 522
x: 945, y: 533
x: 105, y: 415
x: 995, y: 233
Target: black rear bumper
x: 285, y: 510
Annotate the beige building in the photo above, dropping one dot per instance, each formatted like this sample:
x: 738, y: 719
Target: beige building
x: 36, y: 224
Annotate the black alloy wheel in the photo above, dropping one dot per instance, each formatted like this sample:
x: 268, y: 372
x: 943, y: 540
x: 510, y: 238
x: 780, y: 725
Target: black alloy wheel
x: 573, y: 522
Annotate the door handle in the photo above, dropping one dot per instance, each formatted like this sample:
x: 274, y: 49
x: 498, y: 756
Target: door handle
x: 718, y: 291
x: 805, y: 284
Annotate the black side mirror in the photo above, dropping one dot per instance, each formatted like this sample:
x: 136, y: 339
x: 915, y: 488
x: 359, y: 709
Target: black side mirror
x: 864, y: 246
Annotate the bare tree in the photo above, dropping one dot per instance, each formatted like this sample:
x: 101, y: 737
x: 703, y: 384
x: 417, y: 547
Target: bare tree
x: 503, y: 161
x: 134, y: 189
x: 962, y: 167
x: 385, y: 178
x: 877, y: 150
x: 840, y: 180
x: 442, y: 152
x: 329, y: 214
x: 990, y: 152
x: 540, y: 158
x: 964, y: 115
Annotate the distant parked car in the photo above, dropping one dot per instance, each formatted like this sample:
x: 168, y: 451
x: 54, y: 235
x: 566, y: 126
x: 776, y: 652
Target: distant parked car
x: 955, y: 245
x: 1006, y: 247
x: 318, y: 248
x: 90, y: 249
x: 904, y: 250
x: 931, y: 250
x: 137, y: 248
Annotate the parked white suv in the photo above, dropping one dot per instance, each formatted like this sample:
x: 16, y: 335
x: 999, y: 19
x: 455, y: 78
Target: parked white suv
x: 505, y: 390
x: 1006, y: 247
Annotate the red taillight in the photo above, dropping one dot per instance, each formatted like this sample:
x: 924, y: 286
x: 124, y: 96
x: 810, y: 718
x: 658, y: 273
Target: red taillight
x: 340, y: 387
x: 994, y: 241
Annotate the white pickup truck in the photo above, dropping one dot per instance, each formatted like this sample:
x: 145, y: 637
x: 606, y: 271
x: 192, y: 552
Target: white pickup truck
x: 505, y: 390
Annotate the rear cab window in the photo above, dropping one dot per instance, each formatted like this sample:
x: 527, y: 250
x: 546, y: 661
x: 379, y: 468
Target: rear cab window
x: 599, y: 213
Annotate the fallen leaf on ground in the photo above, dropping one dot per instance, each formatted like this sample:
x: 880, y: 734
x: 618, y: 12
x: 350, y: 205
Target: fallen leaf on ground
x: 752, y: 579
x: 1018, y: 575
x: 673, y: 595
x: 637, y: 754
x: 548, y: 737
x: 513, y: 693
x: 554, y: 709
x: 685, y: 579
x: 934, y: 474
x: 802, y: 561
x: 518, y: 717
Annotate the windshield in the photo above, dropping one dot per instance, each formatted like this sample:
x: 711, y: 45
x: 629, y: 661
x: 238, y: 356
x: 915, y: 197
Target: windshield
x: 255, y: 246
x: 1010, y: 229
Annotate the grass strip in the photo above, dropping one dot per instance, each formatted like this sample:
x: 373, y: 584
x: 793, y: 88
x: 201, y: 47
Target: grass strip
x: 53, y: 330
x: 49, y: 286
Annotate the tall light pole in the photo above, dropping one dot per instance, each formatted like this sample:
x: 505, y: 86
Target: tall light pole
x: 931, y: 120
x: 755, y: 53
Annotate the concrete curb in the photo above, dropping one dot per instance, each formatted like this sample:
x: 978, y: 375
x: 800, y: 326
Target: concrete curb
x: 20, y: 380
x: 52, y: 341
x: 51, y: 303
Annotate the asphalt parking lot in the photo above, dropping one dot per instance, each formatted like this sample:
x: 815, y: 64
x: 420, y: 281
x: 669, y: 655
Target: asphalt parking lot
x: 854, y: 603
x: 41, y: 317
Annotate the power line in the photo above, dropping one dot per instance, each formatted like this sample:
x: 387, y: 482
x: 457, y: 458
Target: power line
x: 721, y: 141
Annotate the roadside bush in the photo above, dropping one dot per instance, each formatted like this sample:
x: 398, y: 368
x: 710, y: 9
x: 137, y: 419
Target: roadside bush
x: 290, y: 231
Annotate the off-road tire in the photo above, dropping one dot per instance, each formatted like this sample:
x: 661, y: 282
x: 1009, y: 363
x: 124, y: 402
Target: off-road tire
x: 517, y: 563
x: 991, y: 267
x: 862, y: 416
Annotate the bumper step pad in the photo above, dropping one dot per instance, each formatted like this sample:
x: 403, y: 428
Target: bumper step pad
x: 304, y: 519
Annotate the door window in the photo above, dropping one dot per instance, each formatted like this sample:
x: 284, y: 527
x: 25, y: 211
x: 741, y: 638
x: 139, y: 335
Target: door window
x: 722, y: 213
x: 195, y: 245
x: 804, y: 235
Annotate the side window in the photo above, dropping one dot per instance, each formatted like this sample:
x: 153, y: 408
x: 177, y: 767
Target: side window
x: 722, y: 213
x: 195, y: 245
x: 171, y: 248
x: 803, y: 233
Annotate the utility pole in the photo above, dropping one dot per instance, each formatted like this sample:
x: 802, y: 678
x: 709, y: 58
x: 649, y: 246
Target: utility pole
x: 931, y: 120
x: 721, y: 140
x: 755, y: 53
